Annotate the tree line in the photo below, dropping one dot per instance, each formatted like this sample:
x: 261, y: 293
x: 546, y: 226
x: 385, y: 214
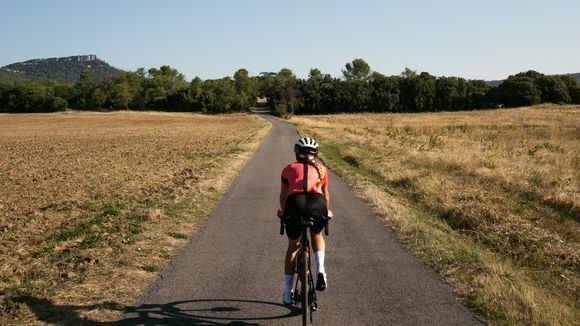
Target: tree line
x: 360, y: 90
x: 161, y: 89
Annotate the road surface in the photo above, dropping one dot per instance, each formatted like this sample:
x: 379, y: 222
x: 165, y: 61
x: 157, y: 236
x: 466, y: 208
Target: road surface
x: 231, y: 271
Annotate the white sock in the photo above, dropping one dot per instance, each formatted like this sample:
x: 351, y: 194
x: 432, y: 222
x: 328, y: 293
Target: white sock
x: 288, y: 283
x: 319, y: 257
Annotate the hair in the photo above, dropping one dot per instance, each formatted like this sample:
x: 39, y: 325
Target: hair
x: 315, y: 164
x: 318, y: 168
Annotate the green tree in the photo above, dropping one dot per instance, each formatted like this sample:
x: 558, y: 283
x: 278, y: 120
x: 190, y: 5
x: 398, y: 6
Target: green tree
x: 161, y: 84
x: 312, y: 93
x: 417, y: 92
x: 118, y: 93
x: 246, y: 90
x: 196, y: 87
x: 219, y: 96
x: 553, y: 89
x: 385, y: 93
x: 284, y: 91
x: 573, y: 88
x: 357, y: 69
x: 519, y: 90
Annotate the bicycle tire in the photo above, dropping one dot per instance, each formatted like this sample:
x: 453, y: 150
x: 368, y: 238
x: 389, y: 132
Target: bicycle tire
x: 305, y: 291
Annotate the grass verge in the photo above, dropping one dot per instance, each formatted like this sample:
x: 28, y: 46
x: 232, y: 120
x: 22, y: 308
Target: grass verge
x: 489, y: 199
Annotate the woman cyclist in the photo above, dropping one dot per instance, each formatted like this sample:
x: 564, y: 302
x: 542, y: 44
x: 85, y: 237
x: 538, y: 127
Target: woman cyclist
x: 304, y: 192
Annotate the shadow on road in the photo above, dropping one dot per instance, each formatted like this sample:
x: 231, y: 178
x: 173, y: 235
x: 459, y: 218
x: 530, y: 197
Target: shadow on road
x: 189, y: 312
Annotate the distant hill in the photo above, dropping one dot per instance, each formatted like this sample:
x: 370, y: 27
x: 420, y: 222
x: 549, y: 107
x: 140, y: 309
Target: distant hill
x: 496, y: 83
x: 67, y: 69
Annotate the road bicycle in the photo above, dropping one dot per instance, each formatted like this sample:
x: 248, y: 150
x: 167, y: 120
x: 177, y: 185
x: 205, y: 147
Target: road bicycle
x: 304, y: 289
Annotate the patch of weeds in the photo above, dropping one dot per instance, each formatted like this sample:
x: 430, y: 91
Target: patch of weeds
x: 112, y: 209
x: 556, y: 181
x: 65, y: 253
x: 372, y: 131
x: 24, y: 289
x: 352, y: 131
x: 351, y: 160
x: 489, y: 163
x: 134, y: 227
x: 129, y: 240
x: 90, y: 241
x: 48, y: 248
x: 150, y: 268
x: 532, y: 151
x: 66, y: 235
x: 122, y: 262
x: 455, y: 218
x: 554, y: 148
x: 535, y: 178
x: 235, y: 150
x: 178, y: 235
x: 435, y: 141
x: 576, y: 162
x: 402, y: 183
x: 83, y: 228
x: 467, y: 255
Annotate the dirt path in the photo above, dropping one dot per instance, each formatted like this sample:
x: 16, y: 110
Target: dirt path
x: 231, y: 272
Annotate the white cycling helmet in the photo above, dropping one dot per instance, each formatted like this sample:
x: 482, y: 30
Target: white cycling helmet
x: 306, y: 145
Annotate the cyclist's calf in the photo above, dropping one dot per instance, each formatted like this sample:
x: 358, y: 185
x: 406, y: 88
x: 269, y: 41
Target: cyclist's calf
x: 318, y: 243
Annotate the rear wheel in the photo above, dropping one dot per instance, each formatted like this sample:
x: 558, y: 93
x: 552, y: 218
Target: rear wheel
x: 305, y: 290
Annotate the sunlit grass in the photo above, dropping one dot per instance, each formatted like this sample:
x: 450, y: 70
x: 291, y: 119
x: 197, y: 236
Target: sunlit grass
x: 489, y: 198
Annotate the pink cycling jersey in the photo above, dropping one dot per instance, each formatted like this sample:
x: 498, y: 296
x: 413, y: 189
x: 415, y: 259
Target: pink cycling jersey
x: 293, y: 176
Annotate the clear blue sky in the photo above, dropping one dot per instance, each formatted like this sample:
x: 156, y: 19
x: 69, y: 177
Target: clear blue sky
x: 473, y: 39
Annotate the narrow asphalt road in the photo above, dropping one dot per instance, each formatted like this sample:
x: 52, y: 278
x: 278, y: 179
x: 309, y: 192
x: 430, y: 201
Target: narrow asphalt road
x: 231, y: 271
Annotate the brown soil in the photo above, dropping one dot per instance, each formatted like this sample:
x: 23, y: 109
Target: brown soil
x: 92, y: 205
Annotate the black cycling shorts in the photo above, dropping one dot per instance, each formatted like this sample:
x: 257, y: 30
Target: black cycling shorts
x: 304, y: 205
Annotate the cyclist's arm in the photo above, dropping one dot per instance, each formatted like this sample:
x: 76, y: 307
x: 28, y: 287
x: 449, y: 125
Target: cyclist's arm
x: 283, y: 194
x: 326, y: 195
x: 325, y: 192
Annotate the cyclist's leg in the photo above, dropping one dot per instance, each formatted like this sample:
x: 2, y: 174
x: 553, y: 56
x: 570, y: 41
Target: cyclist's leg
x: 319, y: 248
x: 290, y: 262
x: 293, y: 233
x: 289, y: 268
x: 294, y: 207
x: 318, y: 243
x: 318, y: 211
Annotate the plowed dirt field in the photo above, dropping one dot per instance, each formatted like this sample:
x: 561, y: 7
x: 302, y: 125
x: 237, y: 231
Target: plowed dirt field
x: 92, y: 205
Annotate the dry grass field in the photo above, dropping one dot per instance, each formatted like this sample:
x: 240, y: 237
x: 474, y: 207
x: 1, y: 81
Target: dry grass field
x: 491, y: 199
x: 93, y: 205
